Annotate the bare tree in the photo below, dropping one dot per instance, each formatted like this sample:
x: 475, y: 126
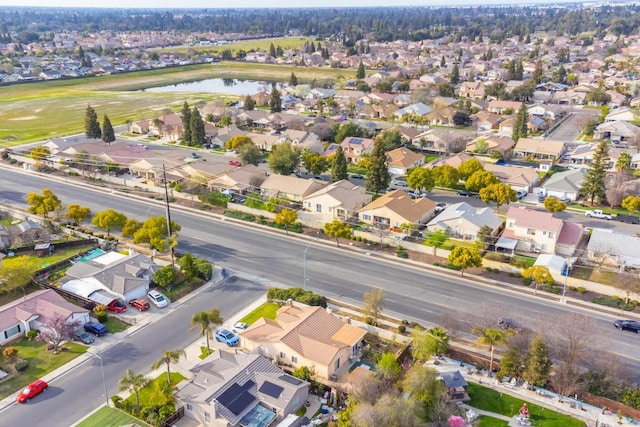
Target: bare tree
x: 368, y: 390
x: 373, y: 304
x: 55, y: 330
x: 565, y: 379
x: 629, y: 283
x: 390, y: 410
x: 599, y: 254
x: 381, y: 231
x: 571, y: 337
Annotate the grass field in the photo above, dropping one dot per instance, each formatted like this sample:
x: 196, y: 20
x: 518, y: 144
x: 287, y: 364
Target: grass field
x: 36, y: 263
x: 268, y: 310
x: 43, y: 110
x: 486, y: 421
x: 149, y: 395
x: 245, y: 45
x: 109, y: 417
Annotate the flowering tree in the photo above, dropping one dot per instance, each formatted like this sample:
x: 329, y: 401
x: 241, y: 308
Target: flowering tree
x: 55, y: 330
x: 456, y: 421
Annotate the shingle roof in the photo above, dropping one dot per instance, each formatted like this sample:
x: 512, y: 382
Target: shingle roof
x: 401, y: 203
x: 535, y: 219
x: 43, y: 304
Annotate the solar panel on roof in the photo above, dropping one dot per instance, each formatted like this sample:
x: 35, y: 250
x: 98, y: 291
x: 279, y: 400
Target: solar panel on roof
x: 355, y: 141
x: 229, y: 395
x: 241, y: 402
x: 271, y: 389
x: 290, y: 379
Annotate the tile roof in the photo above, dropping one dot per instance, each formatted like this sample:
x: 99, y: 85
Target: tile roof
x: 348, y: 195
x: 41, y: 304
x: 401, y: 203
x: 533, y: 218
x: 403, y: 157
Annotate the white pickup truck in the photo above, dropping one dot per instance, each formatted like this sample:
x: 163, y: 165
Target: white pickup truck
x: 597, y: 213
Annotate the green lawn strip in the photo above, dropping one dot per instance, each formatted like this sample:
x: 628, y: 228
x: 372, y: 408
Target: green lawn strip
x: 35, y: 263
x: 41, y: 362
x: 204, y: 353
x: 493, y: 401
x: 148, y: 395
x: 109, y: 417
x: 486, y: 421
x: 268, y: 310
x: 114, y: 325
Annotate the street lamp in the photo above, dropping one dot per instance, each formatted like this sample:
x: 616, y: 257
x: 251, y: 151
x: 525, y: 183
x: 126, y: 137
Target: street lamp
x: 304, y: 261
x: 104, y: 381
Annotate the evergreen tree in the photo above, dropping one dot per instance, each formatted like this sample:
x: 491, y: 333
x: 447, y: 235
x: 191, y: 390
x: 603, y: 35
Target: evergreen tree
x: 272, y: 50
x: 442, y: 62
x: 108, y: 135
x: 293, y: 80
x: 538, y: 73
x: 378, y: 177
x: 593, y: 186
x: 538, y: 363
x: 519, y: 72
x: 339, y: 168
x: 360, y: 73
x: 511, y: 70
x: 91, y: 125
x: 249, y: 104
x: 275, y: 103
x: 196, y: 128
x: 455, y: 75
x: 186, y: 123
x: 511, y: 363
x: 520, y: 129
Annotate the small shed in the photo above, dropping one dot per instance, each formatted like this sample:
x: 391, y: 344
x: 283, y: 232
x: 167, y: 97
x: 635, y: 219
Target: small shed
x: 456, y: 386
x: 43, y: 249
x: 557, y: 265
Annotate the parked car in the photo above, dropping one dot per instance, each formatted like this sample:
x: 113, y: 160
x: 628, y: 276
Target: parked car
x: 84, y: 337
x: 628, y: 325
x: 628, y: 219
x: 357, y: 176
x: 508, y: 323
x: 116, y: 306
x: 521, y: 194
x: 235, y: 163
x: 31, y: 391
x: 140, y: 303
x: 440, y: 206
x: 239, y: 327
x: 227, y: 337
x: 195, y: 155
x: 158, y: 299
x: 400, y: 183
x: 95, y: 328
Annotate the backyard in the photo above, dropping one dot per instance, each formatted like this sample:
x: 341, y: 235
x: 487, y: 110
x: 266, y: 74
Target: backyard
x: 109, y: 417
x: 268, y: 310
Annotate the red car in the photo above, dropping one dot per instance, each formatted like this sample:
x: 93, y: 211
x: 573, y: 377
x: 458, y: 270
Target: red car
x: 235, y: 163
x: 139, y: 303
x: 32, y: 390
x: 116, y: 306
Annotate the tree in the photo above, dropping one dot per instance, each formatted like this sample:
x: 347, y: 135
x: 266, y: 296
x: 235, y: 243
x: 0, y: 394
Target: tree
x: 186, y: 123
x: 462, y: 118
x: 631, y: 203
x: 378, y: 176
x: 286, y: 218
x: 77, y: 213
x: 249, y: 105
x: 445, y: 175
x: 39, y: 153
x: 314, y: 162
x: 130, y: 227
x: 91, y: 126
x: 593, y: 186
x: 469, y: 167
x: 553, y: 204
x: 204, y: 269
x: 154, y: 232
x: 169, y: 357
x: 373, y: 304
x: 540, y: 275
x: 249, y: 154
x: 337, y: 229
x: 537, y: 365
x: 237, y: 141
x: 390, y: 410
x: 360, y: 74
x: 492, y: 338
x: 485, y: 236
x: 423, y: 384
x: 623, y: 164
x: 390, y: 139
x: 346, y: 130
x: 388, y: 368
x: 500, y: 194
x: 187, y: 266
x: 598, y: 97
x: 464, y: 258
x: 339, y: 167
x: 284, y: 158
x: 196, y: 127
x: 511, y: 363
x: 426, y: 343
x: 455, y: 75
x: 204, y: 319
x: 275, y: 103
x: 436, y: 239
x: 165, y: 276
x: 293, y: 80
x: 479, y: 180
x: 15, y: 273
x: 109, y: 220
x: 420, y: 179
x: 520, y: 128
x: 133, y: 383
x: 42, y: 204
x: 108, y: 135
x: 83, y: 161
x: 56, y: 329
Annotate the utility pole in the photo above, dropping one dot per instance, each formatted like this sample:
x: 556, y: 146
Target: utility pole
x: 168, y: 215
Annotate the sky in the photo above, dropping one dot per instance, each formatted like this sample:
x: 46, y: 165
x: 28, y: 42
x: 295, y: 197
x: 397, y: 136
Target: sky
x: 210, y: 4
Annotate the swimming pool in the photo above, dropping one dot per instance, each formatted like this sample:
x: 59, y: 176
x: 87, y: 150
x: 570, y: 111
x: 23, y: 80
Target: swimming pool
x: 93, y: 253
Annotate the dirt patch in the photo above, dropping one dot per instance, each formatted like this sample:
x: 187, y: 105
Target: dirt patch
x: 24, y: 118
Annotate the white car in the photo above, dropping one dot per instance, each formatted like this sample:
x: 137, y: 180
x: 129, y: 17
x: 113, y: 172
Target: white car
x: 158, y: 299
x: 239, y: 327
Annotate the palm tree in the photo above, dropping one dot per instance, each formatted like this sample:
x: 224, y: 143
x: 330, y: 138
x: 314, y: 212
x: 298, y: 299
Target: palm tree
x: 169, y: 357
x: 492, y: 338
x: 440, y: 339
x: 204, y: 319
x: 134, y: 383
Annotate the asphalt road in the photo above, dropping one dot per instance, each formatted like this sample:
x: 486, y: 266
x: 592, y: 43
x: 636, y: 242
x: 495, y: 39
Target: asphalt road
x: 410, y: 293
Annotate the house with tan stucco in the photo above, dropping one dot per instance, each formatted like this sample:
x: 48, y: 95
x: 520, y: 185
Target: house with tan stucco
x: 395, y: 208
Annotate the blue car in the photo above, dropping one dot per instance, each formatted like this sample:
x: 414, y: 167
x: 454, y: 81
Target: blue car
x: 228, y: 337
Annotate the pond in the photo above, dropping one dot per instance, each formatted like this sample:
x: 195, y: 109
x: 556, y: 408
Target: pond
x: 217, y: 85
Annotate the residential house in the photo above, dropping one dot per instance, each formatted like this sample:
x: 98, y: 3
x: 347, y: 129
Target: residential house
x: 569, y: 97
x: 539, y: 149
x: 204, y: 172
x: 141, y: 127
x: 502, y: 107
x: 306, y: 336
x: 461, y: 220
x: 502, y: 144
x: 110, y: 276
x: 34, y: 310
x: 407, y: 133
x: 395, y: 208
x: 546, y: 111
x: 290, y: 187
x: 233, y: 390
x: 485, y: 121
x: 241, y: 180
x: 618, y: 131
x: 5, y: 239
x: 441, y: 116
x: 355, y: 148
x: 443, y: 141
x: 623, y: 114
x: 401, y: 160
x: 535, y: 230
x: 417, y: 109
x: 615, y: 249
x: 471, y: 90
x: 566, y: 184
x: 26, y: 232
x: 518, y: 177
x: 153, y: 170
x: 167, y: 126
x: 338, y: 200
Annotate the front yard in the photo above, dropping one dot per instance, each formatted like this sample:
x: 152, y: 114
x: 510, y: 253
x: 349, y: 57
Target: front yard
x: 41, y: 361
x: 268, y: 310
x: 109, y: 417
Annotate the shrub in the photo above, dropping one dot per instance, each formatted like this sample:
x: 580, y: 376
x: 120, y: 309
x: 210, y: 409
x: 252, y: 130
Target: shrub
x: 240, y: 215
x: 581, y: 289
x: 99, y: 308
x: 527, y: 281
x: 553, y: 289
x: 493, y: 256
x: 117, y: 401
x: 101, y: 316
x: 497, y: 270
x: 402, y: 329
x: 437, y: 264
x: 215, y: 199
x: 297, y: 294
x: 22, y: 365
x: 369, y: 321
x: 489, y: 269
x: 10, y: 352
x: 405, y: 322
x: 32, y: 333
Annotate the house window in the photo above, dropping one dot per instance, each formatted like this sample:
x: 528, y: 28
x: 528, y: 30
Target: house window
x: 12, y: 331
x: 510, y: 224
x: 318, y: 207
x: 336, y: 365
x: 189, y: 407
x: 282, y: 355
x: 531, y: 232
x: 366, y: 217
x: 207, y: 417
x: 552, y: 236
x: 294, y: 359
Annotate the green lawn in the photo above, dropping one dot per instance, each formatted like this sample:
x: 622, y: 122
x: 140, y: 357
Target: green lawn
x: 268, y: 310
x: 41, y: 362
x: 204, y: 353
x: 500, y: 403
x: 114, y: 325
x: 149, y: 395
x: 355, y: 169
x: 35, y: 263
x: 109, y: 417
x: 486, y: 421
